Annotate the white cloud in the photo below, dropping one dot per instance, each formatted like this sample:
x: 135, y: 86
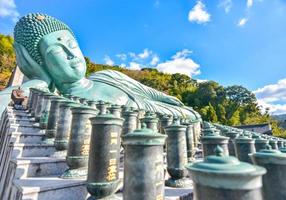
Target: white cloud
x: 154, y: 60
x: 123, y: 65
x: 8, y: 9
x: 242, y: 22
x: 272, y: 92
x: 180, y: 63
x: 121, y: 56
x: 273, y: 96
x: 145, y: 54
x: 274, y: 109
x: 201, y: 80
x: 132, y: 54
x: 146, y: 57
x: 199, y: 14
x: 134, y: 66
x: 226, y: 5
x: 249, y: 3
x: 182, y: 54
x: 108, y: 60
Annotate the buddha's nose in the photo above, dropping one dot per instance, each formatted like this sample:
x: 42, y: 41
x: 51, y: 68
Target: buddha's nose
x: 70, y: 57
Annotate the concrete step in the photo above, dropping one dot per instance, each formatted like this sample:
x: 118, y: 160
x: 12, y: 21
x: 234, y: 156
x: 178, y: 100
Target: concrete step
x: 32, y: 150
x: 13, y: 111
x: 178, y: 193
x: 48, y: 188
x: 21, y: 117
x: 51, y: 188
x: 27, y: 138
x: 19, y: 114
x: 26, y: 128
x: 24, y: 122
x: 38, y: 166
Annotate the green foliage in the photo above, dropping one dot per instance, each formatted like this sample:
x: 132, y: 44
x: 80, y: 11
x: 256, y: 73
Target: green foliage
x: 7, y: 59
x: 277, y: 130
x: 209, y: 114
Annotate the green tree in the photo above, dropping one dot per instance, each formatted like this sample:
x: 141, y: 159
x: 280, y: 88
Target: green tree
x: 221, y: 113
x: 234, y: 120
x: 7, y: 59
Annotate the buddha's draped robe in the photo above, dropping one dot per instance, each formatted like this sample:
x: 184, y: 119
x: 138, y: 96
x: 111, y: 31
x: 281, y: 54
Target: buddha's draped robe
x: 145, y: 97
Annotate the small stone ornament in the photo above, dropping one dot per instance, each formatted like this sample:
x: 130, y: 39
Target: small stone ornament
x: 211, y: 140
x: 46, y: 110
x: 102, y: 107
x: 103, y: 165
x: 53, y: 119
x: 244, y: 145
x: 151, y: 121
x: 79, y: 142
x: 115, y: 110
x: 165, y: 121
x: 231, y: 143
x: 260, y: 143
x: 64, y: 128
x: 274, y: 184
x: 222, y: 177
x: 143, y: 164
x: 130, y: 121
x: 273, y: 143
x: 176, y: 155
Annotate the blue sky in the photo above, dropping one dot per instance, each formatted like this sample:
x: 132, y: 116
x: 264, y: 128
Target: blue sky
x: 230, y: 41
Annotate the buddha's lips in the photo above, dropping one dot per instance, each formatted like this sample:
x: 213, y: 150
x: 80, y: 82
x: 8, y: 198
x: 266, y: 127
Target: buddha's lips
x: 75, y: 63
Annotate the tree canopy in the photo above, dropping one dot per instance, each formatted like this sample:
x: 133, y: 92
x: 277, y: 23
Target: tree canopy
x: 7, y: 59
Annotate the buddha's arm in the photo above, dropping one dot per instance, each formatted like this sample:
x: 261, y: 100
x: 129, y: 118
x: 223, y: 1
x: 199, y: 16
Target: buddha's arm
x: 125, y: 83
x: 160, y: 96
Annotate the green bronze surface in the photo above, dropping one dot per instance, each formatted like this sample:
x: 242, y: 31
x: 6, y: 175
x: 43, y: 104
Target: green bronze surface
x: 143, y: 164
x: 274, y: 181
x: 49, y: 55
x: 144, y: 136
x: 220, y: 171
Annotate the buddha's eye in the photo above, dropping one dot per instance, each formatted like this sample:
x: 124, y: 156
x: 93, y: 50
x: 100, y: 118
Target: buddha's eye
x: 56, y: 50
x: 72, y: 44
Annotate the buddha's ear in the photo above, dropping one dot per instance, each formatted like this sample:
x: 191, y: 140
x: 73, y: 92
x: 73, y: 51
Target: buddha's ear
x: 28, y: 66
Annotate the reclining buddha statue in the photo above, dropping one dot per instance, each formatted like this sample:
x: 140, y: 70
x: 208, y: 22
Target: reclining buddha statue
x: 48, y: 54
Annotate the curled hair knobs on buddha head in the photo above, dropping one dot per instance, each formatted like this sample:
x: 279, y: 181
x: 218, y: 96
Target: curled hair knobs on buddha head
x: 30, y: 29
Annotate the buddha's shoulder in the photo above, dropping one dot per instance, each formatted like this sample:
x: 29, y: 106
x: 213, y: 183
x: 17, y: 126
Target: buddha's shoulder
x: 109, y: 73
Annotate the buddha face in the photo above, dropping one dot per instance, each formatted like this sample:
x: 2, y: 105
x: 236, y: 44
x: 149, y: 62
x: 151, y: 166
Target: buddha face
x: 62, y: 57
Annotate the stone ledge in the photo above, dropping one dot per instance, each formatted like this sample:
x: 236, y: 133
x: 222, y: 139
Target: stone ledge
x: 178, y: 193
x: 43, y: 184
x: 28, y: 160
x: 31, y: 145
x: 26, y: 133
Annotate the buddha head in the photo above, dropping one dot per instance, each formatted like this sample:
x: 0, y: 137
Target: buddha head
x: 46, y: 49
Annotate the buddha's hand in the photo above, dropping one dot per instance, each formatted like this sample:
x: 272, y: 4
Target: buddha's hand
x: 173, y: 100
